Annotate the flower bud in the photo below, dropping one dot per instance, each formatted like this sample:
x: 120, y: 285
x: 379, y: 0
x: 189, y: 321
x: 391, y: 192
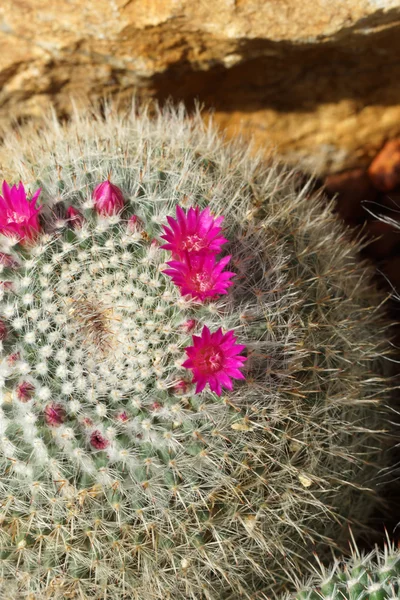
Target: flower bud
x: 7, y: 261
x: 74, y: 217
x: 108, y: 199
x: 54, y: 414
x: 25, y: 391
x: 13, y: 358
x: 122, y: 416
x: 3, y: 331
x: 156, y: 406
x: 181, y: 387
x: 134, y: 224
x: 189, y: 325
x: 98, y: 441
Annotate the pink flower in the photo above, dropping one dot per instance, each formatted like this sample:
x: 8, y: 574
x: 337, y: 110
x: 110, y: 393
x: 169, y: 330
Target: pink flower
x: 74, y: 217
x: 214, y: 359
x: 25, y: 391
x: 18, y: 215
x: 98, y: 441
x: 54, y: 414
x: 194, y: 232
x: 108, y: 198
x: 201, y: 276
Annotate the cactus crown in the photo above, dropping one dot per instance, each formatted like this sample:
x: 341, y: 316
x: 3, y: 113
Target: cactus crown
x: 117, y: 479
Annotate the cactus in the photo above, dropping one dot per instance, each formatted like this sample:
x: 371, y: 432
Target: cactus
x: 118, y: 477
x: 375, y: 576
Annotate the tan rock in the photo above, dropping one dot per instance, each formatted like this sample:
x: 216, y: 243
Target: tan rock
x: 354, y: 194
x: 384, y: 170
x: 317, y: 80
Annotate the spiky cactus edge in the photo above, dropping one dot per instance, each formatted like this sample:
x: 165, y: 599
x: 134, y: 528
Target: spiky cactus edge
x: 119, y: 481
x: 372, y: 576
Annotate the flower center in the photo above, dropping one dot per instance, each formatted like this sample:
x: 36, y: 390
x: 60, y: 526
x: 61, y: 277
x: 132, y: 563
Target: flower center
x: 13, y: 217
x: 193, y: 243
x: 210, y: 360
x: 202, y: 282
x: 94, y: 322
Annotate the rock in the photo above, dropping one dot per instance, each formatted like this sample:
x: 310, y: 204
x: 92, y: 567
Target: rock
x: 384, y: 170
x: 353, y: 192
x: 390, y: 202
x: 391, y: 270
x: 319, y: 81
x: 385, y: 240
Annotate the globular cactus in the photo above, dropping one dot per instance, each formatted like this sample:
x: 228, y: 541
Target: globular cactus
x: 373, y: 576
x: 119, y: 478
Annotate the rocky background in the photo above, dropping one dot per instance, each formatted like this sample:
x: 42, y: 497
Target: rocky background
x: 316, y: 81
x: 319, y: 79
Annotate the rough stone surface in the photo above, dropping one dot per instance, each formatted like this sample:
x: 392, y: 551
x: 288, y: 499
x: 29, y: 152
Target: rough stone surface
x: 384, y: 170
x: 320, y: 80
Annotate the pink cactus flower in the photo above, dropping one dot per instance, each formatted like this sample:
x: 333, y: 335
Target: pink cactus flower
x: 25, y: 391
x: 214, y: 359
x: 201, y: 276
x: 98, y: 441
x: 108, y: 198
x: 54, y: 414
x: 75, y: 218
x: 18, y: 215
x: 195, y: 232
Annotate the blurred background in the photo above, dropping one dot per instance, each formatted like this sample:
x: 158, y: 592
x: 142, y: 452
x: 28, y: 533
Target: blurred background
x: 315, y: 82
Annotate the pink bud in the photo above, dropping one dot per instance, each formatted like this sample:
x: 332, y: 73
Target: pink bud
x: 98, y: 441
x: 25, y: 391
x: 7, y: 261
x: 3, y: 331
x: 135, y: 224
x: 54, y: 414
x: 87, y: 422
x: 12, y: 358
x: 74, y: 217
x: 6, y: 285
x: 156, y: 406
x: 108, y: 198
x: 189, y: 325
x: 122, y: 416
x: 181, y: 387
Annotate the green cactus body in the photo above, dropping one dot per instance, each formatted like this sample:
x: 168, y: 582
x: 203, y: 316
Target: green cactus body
x: 375, y: 576
x: 115, y: 482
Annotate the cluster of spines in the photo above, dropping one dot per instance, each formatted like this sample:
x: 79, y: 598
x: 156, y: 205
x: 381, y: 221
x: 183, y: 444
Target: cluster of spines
x: 375, y: 576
